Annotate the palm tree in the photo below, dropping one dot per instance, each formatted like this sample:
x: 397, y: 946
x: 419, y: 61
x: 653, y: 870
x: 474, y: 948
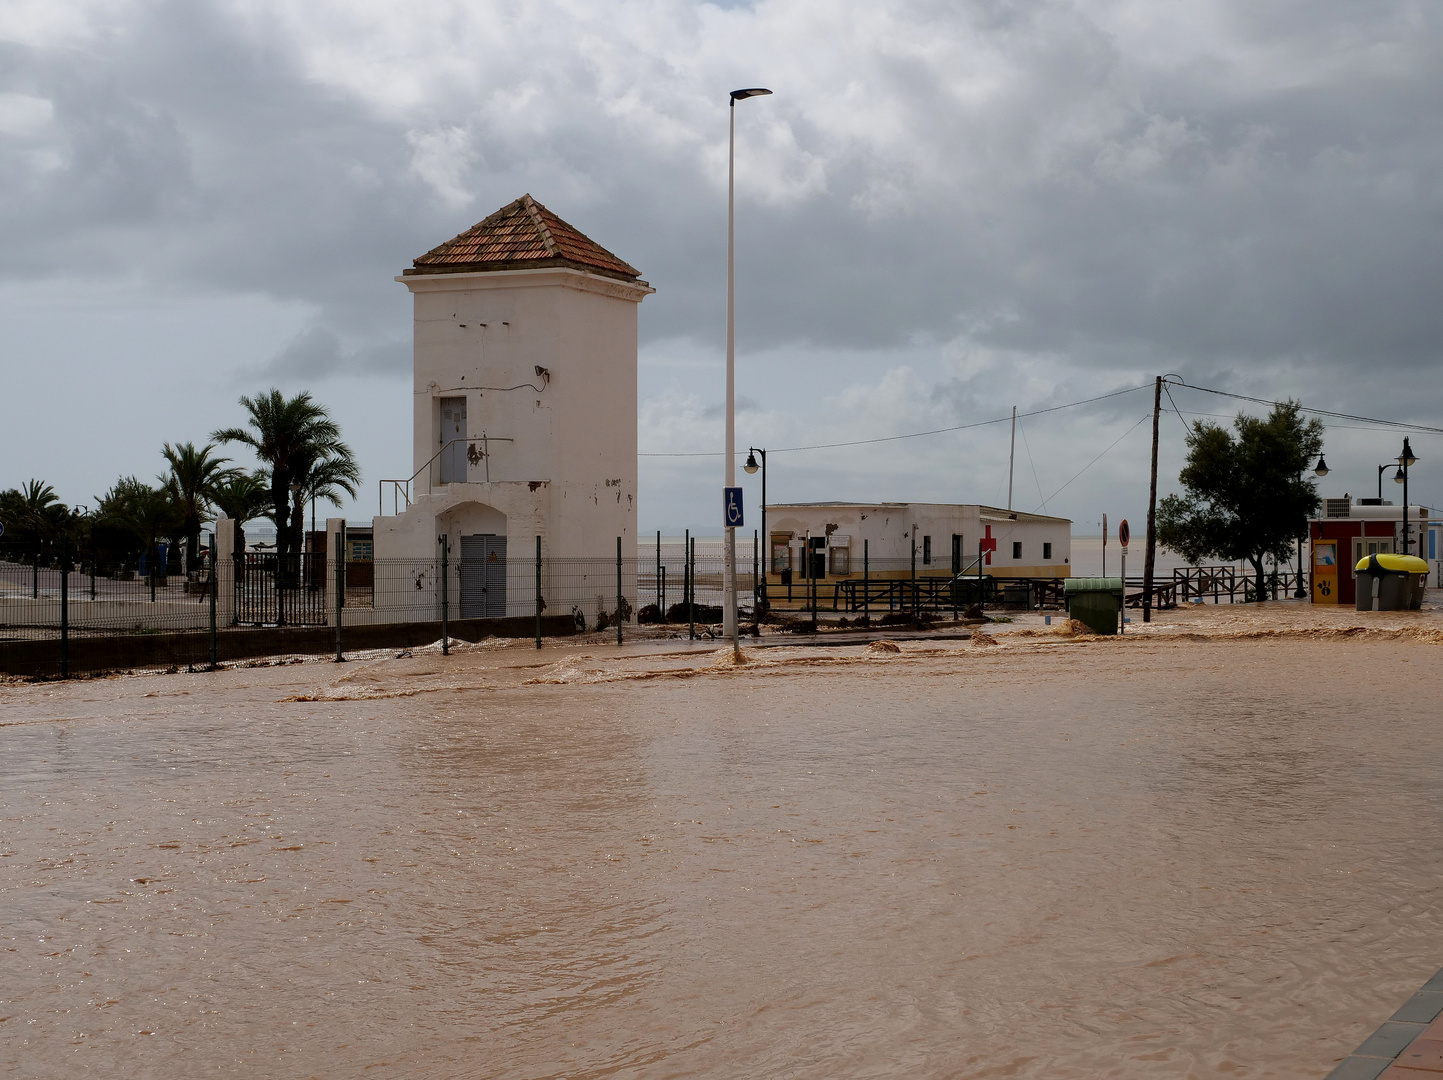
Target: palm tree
x: 324, y: 476
x: 285, y: 433
x: 241, y: 496
x: 194, y: 475
x: 40, y: 516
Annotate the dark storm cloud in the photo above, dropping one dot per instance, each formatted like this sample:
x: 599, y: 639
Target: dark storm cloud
x: 1039, y: 180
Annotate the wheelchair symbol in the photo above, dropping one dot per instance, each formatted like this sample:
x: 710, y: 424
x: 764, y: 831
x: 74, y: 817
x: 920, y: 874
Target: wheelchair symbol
x: 732, y: 507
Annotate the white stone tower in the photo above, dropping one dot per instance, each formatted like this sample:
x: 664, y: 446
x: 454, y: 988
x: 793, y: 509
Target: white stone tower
x: 524, y: 395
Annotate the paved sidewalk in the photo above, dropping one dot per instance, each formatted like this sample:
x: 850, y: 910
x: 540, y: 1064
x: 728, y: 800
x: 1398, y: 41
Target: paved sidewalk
x: 1408, y: 1046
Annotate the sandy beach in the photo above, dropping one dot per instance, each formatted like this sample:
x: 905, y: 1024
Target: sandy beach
x: 1211, y: 847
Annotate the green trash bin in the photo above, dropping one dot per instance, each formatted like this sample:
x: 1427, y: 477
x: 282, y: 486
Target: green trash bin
x: 1094, y: 601
x: 1391, y: 582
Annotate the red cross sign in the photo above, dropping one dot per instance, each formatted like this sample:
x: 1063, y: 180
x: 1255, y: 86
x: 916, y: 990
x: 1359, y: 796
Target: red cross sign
x: 988, y: 545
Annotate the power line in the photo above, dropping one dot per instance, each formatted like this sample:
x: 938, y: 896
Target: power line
x: 1316, y: 412
x: 1145, y: 417
x: 921, y: 434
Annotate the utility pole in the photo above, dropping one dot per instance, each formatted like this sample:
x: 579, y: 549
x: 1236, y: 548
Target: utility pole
x: 1151, y: 559
x: 1011, y: 456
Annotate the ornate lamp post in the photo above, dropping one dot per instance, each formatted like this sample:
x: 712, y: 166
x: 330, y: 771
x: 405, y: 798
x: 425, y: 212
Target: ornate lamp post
x: 1405, y: 459
x: 1300, y: 593
x: 751, y: 467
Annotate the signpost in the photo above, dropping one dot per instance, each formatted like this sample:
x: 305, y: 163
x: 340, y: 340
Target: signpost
x: 1124, y: 534
x: 732, y: 507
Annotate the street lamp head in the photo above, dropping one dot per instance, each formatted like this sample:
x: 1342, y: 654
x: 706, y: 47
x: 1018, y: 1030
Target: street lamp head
x: 1406, y: 457
x: 753, y: 91
x: 1398, y: 476
x: 751, y: 466
x: 1321, y: 469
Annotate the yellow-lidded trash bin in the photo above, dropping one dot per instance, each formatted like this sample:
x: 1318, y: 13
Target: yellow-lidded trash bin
x: 1391, y: 582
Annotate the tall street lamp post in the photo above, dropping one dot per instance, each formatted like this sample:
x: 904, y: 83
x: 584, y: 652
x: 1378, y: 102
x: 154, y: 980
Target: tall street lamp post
x: 729, y: 571
x: 751, y: 468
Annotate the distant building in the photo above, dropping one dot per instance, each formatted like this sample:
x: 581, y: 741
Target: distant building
x: 948, y: 539
x: 524, y: 418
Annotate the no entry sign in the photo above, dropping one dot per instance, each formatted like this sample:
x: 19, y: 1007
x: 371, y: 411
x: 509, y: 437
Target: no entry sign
x: 1124, y: 534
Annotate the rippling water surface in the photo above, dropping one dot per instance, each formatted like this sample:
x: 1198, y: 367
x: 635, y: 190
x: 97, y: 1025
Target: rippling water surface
x: 1147, y: 859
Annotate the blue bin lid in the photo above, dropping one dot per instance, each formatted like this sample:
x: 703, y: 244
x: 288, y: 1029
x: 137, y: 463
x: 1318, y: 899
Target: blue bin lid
x: 1092, y: 584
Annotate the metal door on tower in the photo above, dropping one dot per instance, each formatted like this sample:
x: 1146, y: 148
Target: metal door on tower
x: 453, y: 440
x: 483, y: 576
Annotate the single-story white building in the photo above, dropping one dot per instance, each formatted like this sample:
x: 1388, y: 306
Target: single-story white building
x: 947, y: 538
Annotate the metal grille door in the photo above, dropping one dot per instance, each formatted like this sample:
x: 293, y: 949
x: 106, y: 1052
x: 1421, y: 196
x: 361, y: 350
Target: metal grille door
x: 483, y: 576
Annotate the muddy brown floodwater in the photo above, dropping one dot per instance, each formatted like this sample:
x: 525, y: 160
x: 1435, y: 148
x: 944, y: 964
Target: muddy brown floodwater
x: 1182, y: 856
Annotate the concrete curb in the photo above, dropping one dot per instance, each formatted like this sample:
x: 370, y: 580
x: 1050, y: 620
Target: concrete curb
x: 1380, y: 1051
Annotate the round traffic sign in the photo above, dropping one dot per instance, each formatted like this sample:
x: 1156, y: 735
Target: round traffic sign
x: 1124, y: 534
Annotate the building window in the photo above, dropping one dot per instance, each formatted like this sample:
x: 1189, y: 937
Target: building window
x: 956, y: 553
x: 926, y: 551
x: 1017, y: 549
x: 1046, y: 552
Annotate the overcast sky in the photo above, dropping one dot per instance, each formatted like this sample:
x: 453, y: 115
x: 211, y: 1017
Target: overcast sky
x: 946, y: 209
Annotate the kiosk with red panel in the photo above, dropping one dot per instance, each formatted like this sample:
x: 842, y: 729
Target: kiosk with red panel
x: 1350, y: 531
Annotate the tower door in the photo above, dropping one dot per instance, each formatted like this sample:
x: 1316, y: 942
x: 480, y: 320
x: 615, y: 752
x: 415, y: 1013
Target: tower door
x: 453, y: 452
x: 483, y: 576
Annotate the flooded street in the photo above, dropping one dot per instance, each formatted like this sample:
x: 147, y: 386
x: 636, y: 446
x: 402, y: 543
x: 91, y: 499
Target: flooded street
x: 1158, y: 856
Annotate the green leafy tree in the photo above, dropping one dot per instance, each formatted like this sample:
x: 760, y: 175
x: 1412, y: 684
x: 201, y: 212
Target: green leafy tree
x: 192, y: 481
x: 1244, y: 494
x: 285, y: 434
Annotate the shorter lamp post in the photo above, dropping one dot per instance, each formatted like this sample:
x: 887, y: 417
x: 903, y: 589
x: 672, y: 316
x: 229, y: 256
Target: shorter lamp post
x: 1405, y: 459
x: 1300, y: 593
x: 750, y: 468
x: 1397, y: 476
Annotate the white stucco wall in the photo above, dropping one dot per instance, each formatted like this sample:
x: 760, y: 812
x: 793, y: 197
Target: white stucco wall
x: 886, y: 532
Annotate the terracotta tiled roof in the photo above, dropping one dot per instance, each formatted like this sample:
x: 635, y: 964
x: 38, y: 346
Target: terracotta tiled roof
x: 522, y: 236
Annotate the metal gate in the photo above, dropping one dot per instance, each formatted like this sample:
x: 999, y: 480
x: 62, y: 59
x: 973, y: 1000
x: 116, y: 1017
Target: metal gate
x: 280, y: 590
x: 483, y: 576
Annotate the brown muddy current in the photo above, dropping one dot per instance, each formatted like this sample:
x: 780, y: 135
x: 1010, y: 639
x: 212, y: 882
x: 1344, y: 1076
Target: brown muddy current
x: 1139, y: 858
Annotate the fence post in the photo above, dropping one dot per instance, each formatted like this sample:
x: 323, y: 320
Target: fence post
x: 756, y: 588
x: 211, y: 597
x: 65, y: 607
x: 812, y: 573
x: 659, y: 603
x: 867, y: 579
x: 150, y: 561
x: 690, y: 587
x: 619, y: 601
x: 340, y: 586
x: 538, y: 592
x: 445, y: 542
x: 916, y: 604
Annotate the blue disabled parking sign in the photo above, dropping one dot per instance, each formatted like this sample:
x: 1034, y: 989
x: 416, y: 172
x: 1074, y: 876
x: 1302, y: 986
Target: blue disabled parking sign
x: 732, y: 507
